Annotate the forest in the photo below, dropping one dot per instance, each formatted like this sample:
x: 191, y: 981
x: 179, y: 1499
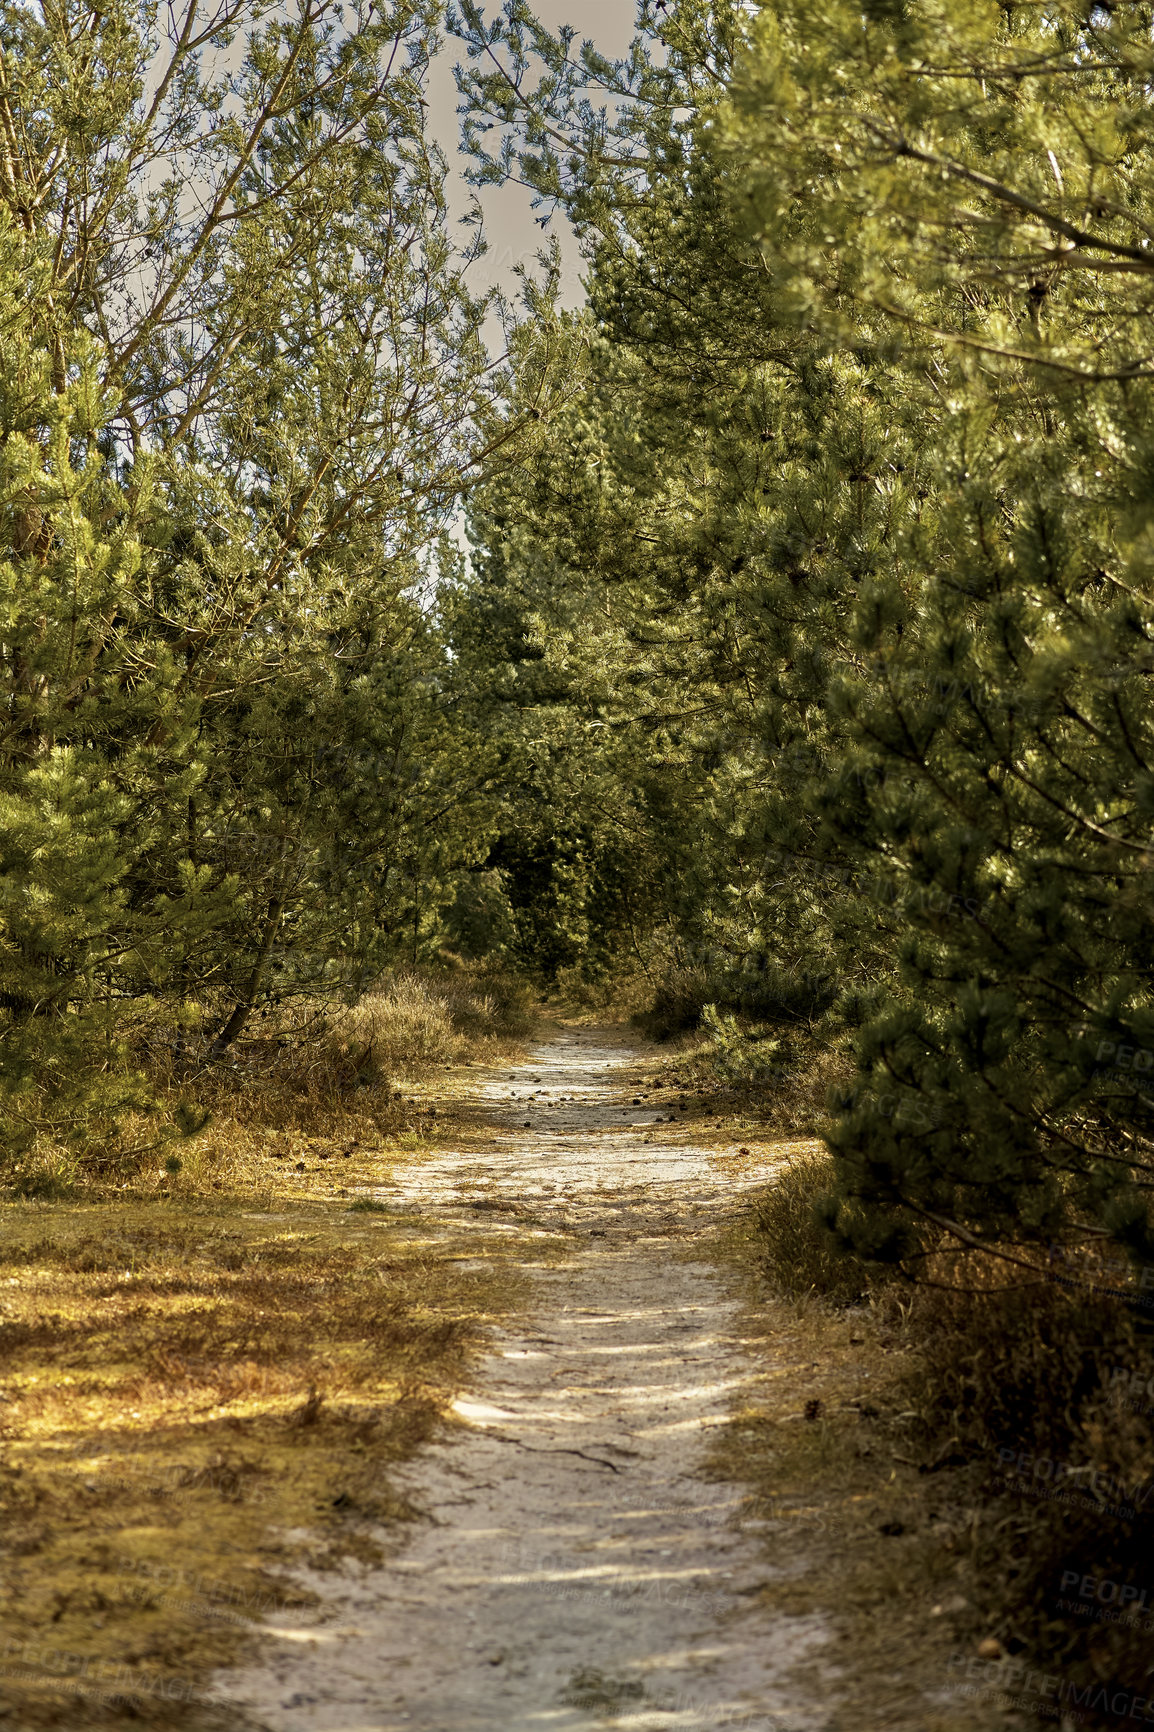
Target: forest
x: 773, y: 633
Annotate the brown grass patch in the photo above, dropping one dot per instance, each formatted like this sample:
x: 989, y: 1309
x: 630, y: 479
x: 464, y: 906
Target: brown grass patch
x: 959, y: 1460
x: 204, y: 1377
x: 786, y: 1097
x: 830, y: 1453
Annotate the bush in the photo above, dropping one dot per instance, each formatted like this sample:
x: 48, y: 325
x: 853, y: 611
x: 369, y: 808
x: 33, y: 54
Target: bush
x: 678, y: 1004
x: 48, y: 1176
x: 401, y: 1026
x: 800, y: 1255
x: 1024, y: 1387
x: 318, y: 1070
x: 757, y: 1055
x: 412, y: 1022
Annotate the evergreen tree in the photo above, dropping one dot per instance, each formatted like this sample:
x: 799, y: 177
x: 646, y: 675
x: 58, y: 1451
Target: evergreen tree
x: 850, y: 539
x: 975, y: 208
x: 76, y: 767
x: 245, y: 385
x: 705, y: 514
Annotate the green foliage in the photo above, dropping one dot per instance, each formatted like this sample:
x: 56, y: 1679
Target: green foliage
x: 846, y: 546
x: 71, y: 758
x: 568, y: 877
x: 677, y: 570
x: 243, y: 384
x: 805, y: 659
x: 969, y: 224
x: 757, y: 1055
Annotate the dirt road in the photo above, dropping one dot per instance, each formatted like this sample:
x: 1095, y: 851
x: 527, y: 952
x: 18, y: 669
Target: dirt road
x: 576, y: 1571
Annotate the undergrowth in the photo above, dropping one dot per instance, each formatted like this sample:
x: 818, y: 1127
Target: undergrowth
x: 1025, y: 1464
x: 333, y: 1074
x: 777, y: 1078
x: 798, y: 1257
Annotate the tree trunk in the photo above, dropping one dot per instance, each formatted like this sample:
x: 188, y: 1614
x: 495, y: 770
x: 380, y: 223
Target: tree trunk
x: 240, y: 1011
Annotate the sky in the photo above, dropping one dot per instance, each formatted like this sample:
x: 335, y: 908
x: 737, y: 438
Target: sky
x: 510, y: 228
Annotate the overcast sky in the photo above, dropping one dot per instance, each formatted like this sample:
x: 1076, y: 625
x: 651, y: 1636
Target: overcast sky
x: 510, y: 229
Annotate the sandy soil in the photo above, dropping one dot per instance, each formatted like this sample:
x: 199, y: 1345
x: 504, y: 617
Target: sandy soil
x: 576, y: 1571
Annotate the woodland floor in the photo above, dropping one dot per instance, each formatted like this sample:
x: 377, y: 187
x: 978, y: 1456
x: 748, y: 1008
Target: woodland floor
x: 660, y: 1501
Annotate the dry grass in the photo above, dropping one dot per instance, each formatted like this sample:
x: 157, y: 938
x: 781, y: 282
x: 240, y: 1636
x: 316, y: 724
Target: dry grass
x: 324, y: 1075
x: 412, y: 1023
x: 965, y: 1452
x: 798, y: 1257
x: 333, y: 1066
x: 829, y: 1452
x: 328, y: 1078
x: 1037, y: 1393
x: 196, y: 1393
x: 783, y: 1097
x: 682, y: 1079
x: 623, y: 996
x: 206, y: 1367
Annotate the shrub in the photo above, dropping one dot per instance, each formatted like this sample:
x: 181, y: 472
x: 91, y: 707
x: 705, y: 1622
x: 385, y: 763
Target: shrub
x: 678, y: 1004
x: 46, y: 1176
x: 412, y: 1022
x: 800, y: 1254
x: 402, y: 1025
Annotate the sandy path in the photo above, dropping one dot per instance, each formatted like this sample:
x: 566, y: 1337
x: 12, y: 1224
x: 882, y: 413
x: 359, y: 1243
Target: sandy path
x: 576, y: 1573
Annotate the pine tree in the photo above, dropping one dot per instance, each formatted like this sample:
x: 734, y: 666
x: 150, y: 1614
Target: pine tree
x: 968, y: 196
x: 849, y: 539
x: 246, y: 384
x: 705, y: 514
x: 75, y: 757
